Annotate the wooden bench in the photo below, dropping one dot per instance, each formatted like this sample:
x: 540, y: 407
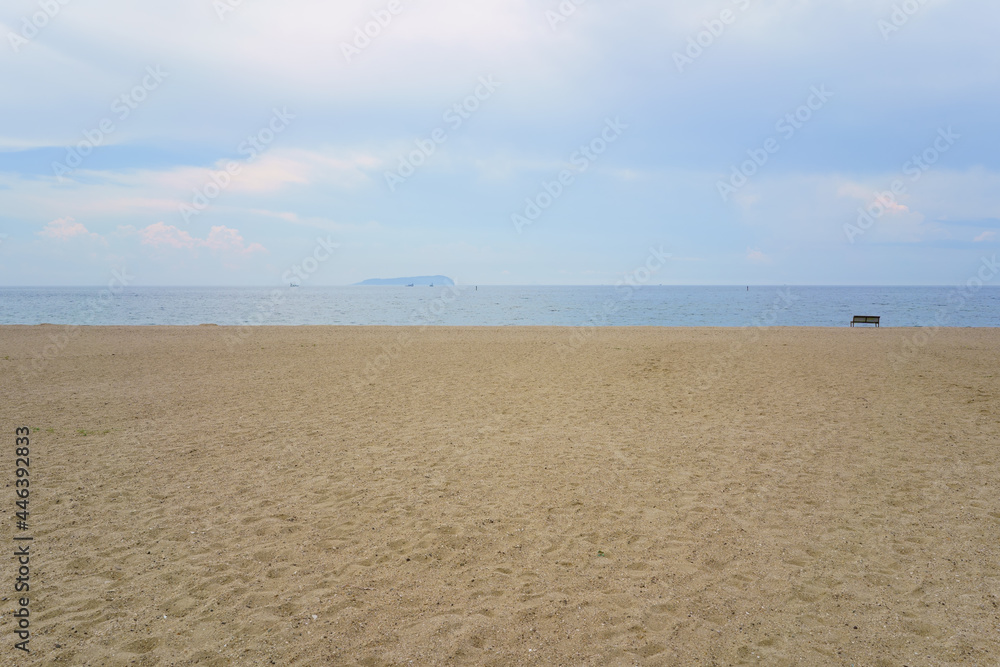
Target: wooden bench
x: 865, y: 319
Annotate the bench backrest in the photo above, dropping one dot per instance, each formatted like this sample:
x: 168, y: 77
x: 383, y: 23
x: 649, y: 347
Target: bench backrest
x: 866, y: 319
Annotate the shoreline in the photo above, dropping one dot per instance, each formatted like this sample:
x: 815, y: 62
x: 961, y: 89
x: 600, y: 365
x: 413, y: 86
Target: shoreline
x: 490, y: 326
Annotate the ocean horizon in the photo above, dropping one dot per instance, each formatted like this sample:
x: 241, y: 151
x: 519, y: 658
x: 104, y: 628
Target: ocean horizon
x: 493, y: 305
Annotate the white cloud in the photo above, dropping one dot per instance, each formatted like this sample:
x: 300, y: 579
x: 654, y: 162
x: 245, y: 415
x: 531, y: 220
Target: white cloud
x: 271, y: 172
x: 159, y: 234
x: 220, y: 238
x: 64, y: 229
x: 812, y: 209
x: 225, y: 239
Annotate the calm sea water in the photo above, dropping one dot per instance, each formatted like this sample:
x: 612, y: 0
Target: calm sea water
x: 499, y: 306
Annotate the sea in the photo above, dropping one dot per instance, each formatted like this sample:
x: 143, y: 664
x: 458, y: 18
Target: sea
x: 969, y: 305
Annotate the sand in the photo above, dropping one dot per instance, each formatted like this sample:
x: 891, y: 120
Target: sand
x: 386, y: 496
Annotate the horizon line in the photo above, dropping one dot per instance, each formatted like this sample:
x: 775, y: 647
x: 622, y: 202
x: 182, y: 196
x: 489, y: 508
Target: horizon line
x: 463, y: 285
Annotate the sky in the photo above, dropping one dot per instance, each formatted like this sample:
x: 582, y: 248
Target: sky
x: 510, y: 142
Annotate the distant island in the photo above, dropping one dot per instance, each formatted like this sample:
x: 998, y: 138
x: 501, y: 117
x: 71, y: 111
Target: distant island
x: 423, y: 281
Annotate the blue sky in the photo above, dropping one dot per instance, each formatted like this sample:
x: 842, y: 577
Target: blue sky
x: 214, y: 142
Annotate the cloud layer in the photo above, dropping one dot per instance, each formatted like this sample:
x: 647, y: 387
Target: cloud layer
x: 211, y: 146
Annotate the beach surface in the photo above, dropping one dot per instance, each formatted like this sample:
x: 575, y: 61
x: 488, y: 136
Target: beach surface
x: 505, y: 496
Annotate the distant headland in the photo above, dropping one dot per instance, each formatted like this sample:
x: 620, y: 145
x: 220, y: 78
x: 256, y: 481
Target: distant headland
x: 423, y: 281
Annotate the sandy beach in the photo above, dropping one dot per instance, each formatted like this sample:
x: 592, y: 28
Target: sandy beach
x: 395, y: 496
